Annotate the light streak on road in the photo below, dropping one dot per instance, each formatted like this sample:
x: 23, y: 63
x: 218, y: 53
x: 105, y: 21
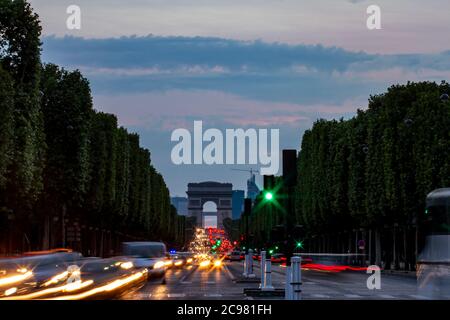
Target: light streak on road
x: 105, y: 288
x: 10, y: 291
x: 327, y: 268
x: 159, y: 265
x: 57, y: 278
x: 78, y: 285
x: 15, y: 279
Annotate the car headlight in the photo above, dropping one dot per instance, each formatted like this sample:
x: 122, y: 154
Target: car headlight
x: 205, y: 263
x: 127, y: 265
x: 159, y: 265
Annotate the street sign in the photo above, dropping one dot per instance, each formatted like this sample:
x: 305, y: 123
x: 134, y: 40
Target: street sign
x: 361, y: 244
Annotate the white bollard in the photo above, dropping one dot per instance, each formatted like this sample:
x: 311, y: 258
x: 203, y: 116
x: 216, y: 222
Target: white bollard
x: 245, y: 273
x: 250, y: 273
x: 268, y: 276
x: 287, y: 286
x: 296, y: 278
x: 263, y: 268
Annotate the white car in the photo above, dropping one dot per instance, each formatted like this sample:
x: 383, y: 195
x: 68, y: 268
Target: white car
x: 149, y: 255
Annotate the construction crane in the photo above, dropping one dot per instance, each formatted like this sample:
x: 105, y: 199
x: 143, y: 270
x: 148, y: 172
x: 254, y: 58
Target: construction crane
x: 252, y: 171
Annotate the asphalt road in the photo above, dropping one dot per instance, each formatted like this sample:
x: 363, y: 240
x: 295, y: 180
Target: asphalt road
x: 197, y: 283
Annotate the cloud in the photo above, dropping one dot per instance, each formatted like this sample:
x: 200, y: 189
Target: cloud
x: 408, y: 25
x: 178, y: 109
x: 173, y: 52
x: 255, y: 70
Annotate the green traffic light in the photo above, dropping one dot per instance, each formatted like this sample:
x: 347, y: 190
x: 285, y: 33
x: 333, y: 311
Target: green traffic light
x: 270, y: 251
x: 268, y: 196
x: 300, y: 244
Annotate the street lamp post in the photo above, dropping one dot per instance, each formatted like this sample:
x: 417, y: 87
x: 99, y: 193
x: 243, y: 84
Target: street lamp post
x: 248, y: 268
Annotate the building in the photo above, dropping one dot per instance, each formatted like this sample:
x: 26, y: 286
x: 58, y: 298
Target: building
x: 181, y: 203
x: 252, y: 188
x: 237, y: 203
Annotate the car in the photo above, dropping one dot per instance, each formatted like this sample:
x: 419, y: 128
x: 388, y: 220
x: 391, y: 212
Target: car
x: 178, y: 261
x: 278, y: 258
x: 187, y: 256
x: 149, y: 255
x: 235, y: 256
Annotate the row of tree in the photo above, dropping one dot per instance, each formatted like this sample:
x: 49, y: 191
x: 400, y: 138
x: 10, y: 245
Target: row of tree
x: 362, y: 183
x: 367, y: 178
x: 69, y: 176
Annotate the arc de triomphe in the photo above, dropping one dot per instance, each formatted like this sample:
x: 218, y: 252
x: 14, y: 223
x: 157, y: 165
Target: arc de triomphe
x: 219, y: 193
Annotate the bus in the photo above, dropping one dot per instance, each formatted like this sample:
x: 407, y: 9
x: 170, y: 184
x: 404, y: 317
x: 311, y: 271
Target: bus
x: 433, y: 263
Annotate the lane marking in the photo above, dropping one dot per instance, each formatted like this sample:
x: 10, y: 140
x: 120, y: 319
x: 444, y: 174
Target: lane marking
x: 188, y: 274
x: 386, y: 296
x: 176, y: 295
x: 229, y: 273
x: 320, y: 295
x: 141, y: 296
x: 419, y: 297
x: 213, y: 295
x: 352, y: 296
x: 185, y: 282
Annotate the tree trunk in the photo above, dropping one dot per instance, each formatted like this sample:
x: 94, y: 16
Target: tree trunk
x: 377, y: 248
x: 46, y: 235
x: 394, y: 252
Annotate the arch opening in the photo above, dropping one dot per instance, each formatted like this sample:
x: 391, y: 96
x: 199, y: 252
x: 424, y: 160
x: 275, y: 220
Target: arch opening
x: 209, y: 214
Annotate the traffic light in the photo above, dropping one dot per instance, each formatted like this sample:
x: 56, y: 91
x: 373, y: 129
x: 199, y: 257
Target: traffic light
x: 268, y: 196
x: 298, y: 235
x: 269, y: 185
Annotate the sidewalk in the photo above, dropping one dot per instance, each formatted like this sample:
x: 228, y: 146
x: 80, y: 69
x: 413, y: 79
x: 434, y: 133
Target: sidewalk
x: 401, y: 273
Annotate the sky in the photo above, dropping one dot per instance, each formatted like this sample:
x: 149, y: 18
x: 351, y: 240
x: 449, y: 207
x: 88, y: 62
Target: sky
x: 161, y: 64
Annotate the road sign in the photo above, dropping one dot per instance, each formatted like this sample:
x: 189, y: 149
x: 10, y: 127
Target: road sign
x: 361, y: 244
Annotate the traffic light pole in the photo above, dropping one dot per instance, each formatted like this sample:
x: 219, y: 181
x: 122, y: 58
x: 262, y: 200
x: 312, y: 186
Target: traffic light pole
x: 289, y: 181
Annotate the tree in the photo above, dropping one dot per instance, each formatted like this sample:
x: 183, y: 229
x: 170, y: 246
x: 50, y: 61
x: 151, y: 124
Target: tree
x: 6, y: 125
x: 20, y: 58
x: 373, y: 172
